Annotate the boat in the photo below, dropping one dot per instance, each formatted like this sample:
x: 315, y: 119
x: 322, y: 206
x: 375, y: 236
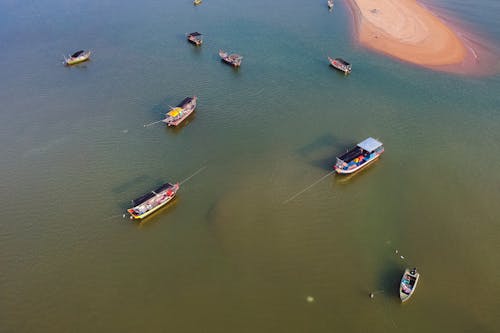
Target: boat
x: 195, y: 38
x: 364, y: 153
x: 177, y: 115
x: 150, y: 202
x: 197, y: 2
x: 231, y: 59
x: 408, y: 284
x: 341, y: 65
x: 330, y: 4
x: 77, y: 57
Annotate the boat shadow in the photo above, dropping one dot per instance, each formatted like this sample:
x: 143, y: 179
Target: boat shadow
x: 321, y: 151
x: 389, y: 280
x: 80, y: 66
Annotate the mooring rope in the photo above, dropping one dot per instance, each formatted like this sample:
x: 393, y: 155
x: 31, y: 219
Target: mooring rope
x: 194, y: 174
x: 308, y: 187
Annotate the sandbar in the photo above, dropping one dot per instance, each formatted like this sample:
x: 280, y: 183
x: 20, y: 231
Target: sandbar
x: 408, y: 31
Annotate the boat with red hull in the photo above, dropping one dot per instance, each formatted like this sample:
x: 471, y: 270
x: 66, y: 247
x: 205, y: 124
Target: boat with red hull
x: 363, y: 154
x: 178, y: 114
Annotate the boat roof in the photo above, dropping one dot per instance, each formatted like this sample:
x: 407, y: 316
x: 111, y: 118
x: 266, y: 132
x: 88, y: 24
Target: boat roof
x: 77, y: 53
x: 370, y: 144
x: 196, y: 33
x: 147, y: 196
x: 342, y: 61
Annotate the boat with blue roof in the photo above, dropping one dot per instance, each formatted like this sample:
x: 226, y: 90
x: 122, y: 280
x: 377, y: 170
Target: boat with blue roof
x: 363, y: 154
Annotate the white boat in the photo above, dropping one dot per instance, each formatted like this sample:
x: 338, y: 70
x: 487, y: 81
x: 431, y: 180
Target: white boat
x: 330, y: 4
x: 77, y: 57
x: 408, y: 284
x: 363, y: 154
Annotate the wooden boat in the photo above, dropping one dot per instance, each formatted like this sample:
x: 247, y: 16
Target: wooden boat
x: 177, y: 115
x: 195, y: 38
x: 330, y: 4
x: 150, y: 202
x: 364, y: 153
x: 231, y: 59
x: 408, y: 284
x: 77, y: 57
x: 197, y: 2
x: 341, y: 65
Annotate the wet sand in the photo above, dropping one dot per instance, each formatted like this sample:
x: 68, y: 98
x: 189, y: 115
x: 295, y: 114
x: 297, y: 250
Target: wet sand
x: 408, y: 31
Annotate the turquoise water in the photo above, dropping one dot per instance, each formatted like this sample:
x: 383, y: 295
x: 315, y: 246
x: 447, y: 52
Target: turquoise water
x: 233, y: 253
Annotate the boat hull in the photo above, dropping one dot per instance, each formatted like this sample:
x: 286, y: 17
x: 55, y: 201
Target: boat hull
x: 180, y: 120
x: 166, y: 197
x: 135, y: 216
x: 77, y: 60
x: 353, y: 170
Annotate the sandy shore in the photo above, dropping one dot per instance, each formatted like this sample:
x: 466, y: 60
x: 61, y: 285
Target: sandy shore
x: 408, y: 31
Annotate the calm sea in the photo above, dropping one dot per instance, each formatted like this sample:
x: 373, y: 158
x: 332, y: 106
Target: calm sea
x: 233, y: 253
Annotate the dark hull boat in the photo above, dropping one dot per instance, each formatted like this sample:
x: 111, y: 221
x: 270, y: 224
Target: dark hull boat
x: 363, y: 154
x: 341, y: 65
x: 195, y: 38
x: 151, y: 202
x: 178, y: 114
x: 231, y: 59
x: 408, y: 284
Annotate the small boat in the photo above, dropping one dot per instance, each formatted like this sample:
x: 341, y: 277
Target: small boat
x: 150, y: 202
x: 197, y: 2
x: 195, y: 38
x: 231, y: 59
x: 77, y: 57
x: 408, y: 284
x: 360, y: 156
x: 177, y: 115
x: 341, y: 65
x: 330, y: 4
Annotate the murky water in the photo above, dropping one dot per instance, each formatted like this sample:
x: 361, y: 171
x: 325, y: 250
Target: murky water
x: 232, y: 252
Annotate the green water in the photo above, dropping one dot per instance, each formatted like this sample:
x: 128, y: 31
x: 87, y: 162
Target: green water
x: 232, y: 253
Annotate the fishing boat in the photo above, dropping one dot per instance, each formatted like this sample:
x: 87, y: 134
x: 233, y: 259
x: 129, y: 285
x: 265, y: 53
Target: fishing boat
x: 197, y: 2
x: 330, y: 4
x: 77, y: 57
x: 195, y: 38
x: 364, y: 153
x: 150, y: 202
x: 341, y: 65
x: 177, y: 115
x: 231, y: 59
x: 408, y: 284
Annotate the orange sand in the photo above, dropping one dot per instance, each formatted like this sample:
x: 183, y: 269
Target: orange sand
x: 408, y: 31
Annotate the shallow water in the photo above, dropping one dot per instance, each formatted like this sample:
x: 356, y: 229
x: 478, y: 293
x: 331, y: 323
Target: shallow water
x: 232, y: 253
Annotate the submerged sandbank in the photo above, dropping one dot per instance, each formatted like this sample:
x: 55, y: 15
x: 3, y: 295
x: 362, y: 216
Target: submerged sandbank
x: 408, y: 31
